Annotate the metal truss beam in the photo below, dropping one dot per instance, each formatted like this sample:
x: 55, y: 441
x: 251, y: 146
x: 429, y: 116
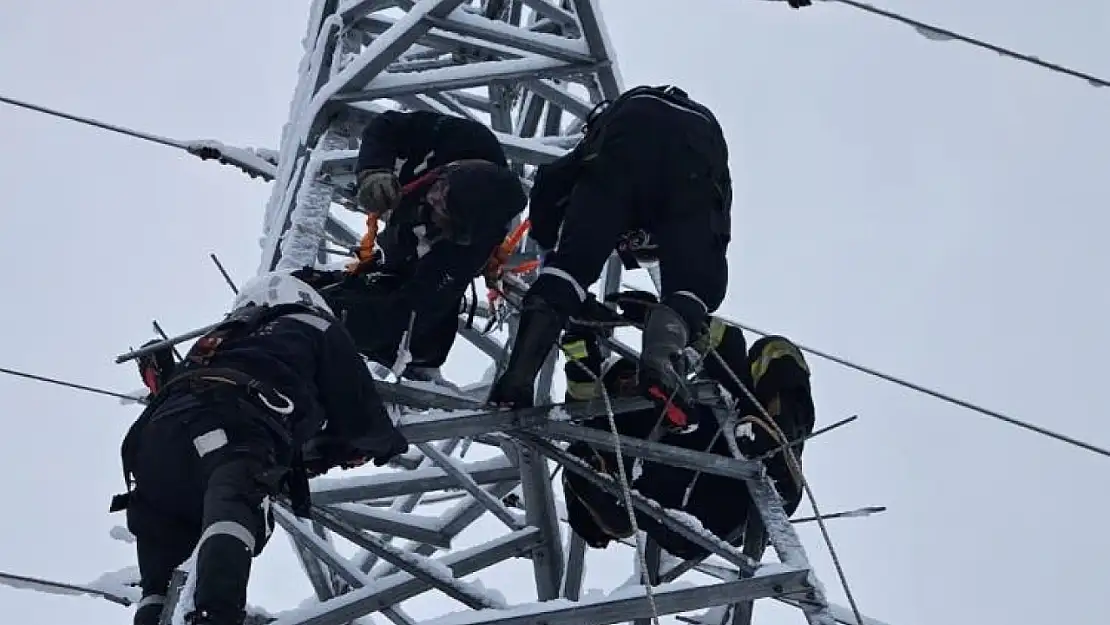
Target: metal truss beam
x: 532, y: 70
x: 619, y: 609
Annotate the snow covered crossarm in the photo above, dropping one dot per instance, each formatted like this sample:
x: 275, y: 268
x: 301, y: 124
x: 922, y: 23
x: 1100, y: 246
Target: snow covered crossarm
x: 342, y: 490
x: 631, y: 603
x: 392, y: 589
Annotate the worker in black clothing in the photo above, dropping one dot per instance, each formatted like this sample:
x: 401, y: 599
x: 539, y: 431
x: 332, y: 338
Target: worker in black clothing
x: 226, y: 431
x: 444, y: 189
x: 774, y: 371
x: 650, y: 179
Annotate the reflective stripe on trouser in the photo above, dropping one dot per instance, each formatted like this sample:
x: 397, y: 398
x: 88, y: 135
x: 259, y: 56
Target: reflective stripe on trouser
x: 237, y: 525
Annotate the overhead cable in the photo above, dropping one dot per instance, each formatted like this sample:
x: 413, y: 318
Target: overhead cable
x: 937, y: 394
x: 936, y: 33
x: 247, y: 161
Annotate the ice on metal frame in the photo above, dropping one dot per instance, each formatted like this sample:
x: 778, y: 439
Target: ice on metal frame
x: 323, y: 485
x: 255, y: 159
x: 476, y: 617
x: 301, y: 243
x: 287, y: 162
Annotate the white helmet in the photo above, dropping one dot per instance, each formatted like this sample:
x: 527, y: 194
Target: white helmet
x: 271, y: 289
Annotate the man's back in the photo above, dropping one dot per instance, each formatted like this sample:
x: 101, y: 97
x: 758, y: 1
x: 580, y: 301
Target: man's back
x: 424, y: 141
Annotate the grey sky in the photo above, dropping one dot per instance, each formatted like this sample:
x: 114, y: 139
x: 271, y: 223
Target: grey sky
x: 928, y: 209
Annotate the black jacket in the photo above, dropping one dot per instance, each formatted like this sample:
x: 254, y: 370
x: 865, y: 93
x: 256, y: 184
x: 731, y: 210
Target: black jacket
x: 676, y: 114
x: 424, y: 141
x: 313, y: 361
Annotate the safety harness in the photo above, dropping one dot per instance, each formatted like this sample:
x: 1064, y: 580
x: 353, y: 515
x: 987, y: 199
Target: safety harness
x: 195, y: 374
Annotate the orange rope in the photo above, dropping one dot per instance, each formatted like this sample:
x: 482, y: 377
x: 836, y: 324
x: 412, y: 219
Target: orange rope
x: 366, y: 245
x: 500, y: 255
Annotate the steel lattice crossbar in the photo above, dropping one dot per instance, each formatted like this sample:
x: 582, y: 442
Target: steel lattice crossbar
x: 532, y: 70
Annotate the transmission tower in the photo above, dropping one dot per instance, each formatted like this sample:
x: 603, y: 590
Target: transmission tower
x: 532, y: 70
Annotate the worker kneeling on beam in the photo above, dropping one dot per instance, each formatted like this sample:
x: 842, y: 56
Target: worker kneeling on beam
x: 444, y: 189
x: 226, y: 431
x: 774, y: 370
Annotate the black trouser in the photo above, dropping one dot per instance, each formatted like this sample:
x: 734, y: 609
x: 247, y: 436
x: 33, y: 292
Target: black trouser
x: 205, y: 471
x: 479, y: 201
x: 365, y: 310
x: 720, y: 503
x: 652, y: 167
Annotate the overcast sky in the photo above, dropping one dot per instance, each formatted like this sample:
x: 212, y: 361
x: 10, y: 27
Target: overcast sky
x: 928, y: 209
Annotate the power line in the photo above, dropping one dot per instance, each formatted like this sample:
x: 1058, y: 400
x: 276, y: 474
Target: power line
x: 936, y: 394
x: 936, y: 33
x: 88, y: 121
x: 80, y: 387
x: 244, y: 160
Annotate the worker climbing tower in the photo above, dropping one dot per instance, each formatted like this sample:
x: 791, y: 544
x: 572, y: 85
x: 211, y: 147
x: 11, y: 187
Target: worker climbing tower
x: 533, y: 70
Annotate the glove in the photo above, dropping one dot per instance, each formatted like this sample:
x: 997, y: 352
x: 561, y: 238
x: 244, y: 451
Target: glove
x: 324, y: 451
x: 379, y: 191
x: 634, y: 305
x: 381, y: 447
x: 398, y: 445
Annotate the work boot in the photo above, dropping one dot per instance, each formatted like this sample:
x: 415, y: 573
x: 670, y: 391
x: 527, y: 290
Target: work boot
x: 540, y: 326
x: 661, y: 376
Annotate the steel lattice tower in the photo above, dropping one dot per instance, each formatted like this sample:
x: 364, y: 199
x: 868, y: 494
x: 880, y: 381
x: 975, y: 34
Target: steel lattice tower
x: 532, y: 70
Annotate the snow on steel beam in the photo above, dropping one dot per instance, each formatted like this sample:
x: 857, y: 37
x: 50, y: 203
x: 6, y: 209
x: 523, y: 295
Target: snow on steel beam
x: 408, y: 503
x: 444, y: 42
x: 350, y: 12
x: 783, y: 538
x: 384, y: 50
x: 418, y: 566
x: 520, y: 39
x: 560, y: 97
x: 670, y: 455
x: 600, y: 46
x: 551, y: 12
x: 317, y: 547
x: 393, y: 523
x: 393, y: 589
x: 466, y: 423
x: 462, y: 516
x: 631, y: 602
x: 463, y: 77
x: 353, y: 489
x: 467, y: 483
